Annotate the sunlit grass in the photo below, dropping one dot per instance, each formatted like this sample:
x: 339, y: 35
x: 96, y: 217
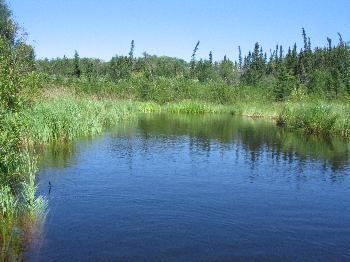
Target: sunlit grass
x: 317, y: 118
x: 68, y: 118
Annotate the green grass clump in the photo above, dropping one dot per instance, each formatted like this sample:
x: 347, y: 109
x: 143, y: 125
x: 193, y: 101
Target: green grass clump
x: 193, y: 107
x: 257, y: 109
x: 69, y: 118
x: 317, y: 118
x: 147, y: 107
x: 21, y: 211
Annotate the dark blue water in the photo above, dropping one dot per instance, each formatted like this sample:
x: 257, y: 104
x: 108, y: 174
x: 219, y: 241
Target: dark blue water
x: 196, y: 188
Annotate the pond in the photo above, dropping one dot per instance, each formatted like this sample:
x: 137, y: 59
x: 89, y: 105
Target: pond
x: 196, y: 188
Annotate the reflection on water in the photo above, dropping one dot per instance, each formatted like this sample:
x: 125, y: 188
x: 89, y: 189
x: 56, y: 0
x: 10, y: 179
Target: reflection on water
x: 208, y: 187
x: 254, y: 137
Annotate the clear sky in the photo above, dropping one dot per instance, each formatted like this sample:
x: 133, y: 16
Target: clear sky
x: 103, y: 28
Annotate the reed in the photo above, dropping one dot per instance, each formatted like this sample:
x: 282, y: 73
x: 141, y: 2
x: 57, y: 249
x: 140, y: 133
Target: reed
x: 69, y: 118
x: 317, y: 118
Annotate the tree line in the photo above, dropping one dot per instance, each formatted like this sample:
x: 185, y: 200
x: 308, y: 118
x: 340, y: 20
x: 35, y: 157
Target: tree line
x: 324, y: 71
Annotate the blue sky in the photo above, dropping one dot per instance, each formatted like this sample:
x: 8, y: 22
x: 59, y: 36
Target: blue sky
x: 103, y: 28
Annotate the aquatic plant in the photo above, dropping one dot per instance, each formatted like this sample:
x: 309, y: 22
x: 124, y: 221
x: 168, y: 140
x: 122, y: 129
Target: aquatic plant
x: 9, y: 241
x: 316, y: 118
x: 69, y: 118
x: 193, y: 107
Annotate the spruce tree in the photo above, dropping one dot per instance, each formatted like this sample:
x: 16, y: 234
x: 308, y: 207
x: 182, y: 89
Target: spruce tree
x: 211, y: 57
x: 193, y: 59
x: 130, y: 63
x: 240, y: 58
x: 329, y: 41
x: 77, y: 70
x: 285, y: 83
x: 305, y: 39
x: 132, y: 48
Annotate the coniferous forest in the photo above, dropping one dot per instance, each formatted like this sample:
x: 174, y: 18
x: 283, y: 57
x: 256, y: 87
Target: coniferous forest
x: 302, y: 88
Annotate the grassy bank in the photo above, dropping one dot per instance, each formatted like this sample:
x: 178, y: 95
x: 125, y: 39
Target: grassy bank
x: 66, y: 118
x: 310, y: 113
x: 319, y: 118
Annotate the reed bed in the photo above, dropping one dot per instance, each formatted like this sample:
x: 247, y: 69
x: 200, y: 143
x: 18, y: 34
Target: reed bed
x: 317, y: 118
x: 69, y: 118
x: 65, y: 118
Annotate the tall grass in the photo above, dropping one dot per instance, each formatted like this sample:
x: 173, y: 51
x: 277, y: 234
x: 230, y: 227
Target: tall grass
x: 317, y: 118
x: 65, y: 118
x: 69, y: 118
x: 195, y: 107
x: 22, y: 212
x: 254, y: 110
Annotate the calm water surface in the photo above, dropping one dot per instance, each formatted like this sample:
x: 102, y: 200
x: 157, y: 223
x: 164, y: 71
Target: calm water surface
x: 196, y: 188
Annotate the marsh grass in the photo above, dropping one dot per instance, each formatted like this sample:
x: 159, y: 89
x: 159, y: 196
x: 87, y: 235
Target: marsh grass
x: 194, y: 107
x: 317, y: 118
x: 22, y: 211
x: 65, y: 119
x: 252, y: 110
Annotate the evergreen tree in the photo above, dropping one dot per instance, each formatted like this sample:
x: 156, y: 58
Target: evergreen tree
x: 305, y: 39
x: 211, y: 57
x: 329, y: 41
x: 285, y: 83
x: 255, y: 67
x: 77, y: 70
x: 132, y: 48
x: 193, y: 59
x: 281, y: 54
x: 240, y: 61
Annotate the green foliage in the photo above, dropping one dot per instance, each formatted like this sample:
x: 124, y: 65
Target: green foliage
x: 34, y: 208
x: 322, y: 71
x: 17, y: 81
x: 286, y: 82
x: 317, y: 118
x: 254, y: 68
x: 67, y: 118
x: 192, y: 107
x: 228, y: 72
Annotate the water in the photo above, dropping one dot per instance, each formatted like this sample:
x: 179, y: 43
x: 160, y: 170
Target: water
x: 196, y: 188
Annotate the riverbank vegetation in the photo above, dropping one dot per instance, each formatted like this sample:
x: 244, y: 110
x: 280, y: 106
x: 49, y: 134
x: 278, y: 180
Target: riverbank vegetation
x: 60, y: 99
x: 20, y: 209
x: 302, y: 88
